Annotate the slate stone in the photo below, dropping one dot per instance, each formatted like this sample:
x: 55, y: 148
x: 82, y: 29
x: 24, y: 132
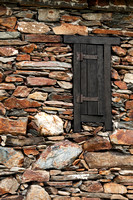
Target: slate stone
x: 40, y: 96
x: 97, y: 16
x: 128, y: 78
x: 8, y: 185
x: 8, y: 51
x: 9, y: 35
x: 114, y: 188
x: 33, y: 27
x: 14, y: 127
x: 11, y: 158
x: 48, y: 15
x: 6, y: 60
x: 122, y: 136
x: 43, y: 38
x: 58, y: 156
x: 22, y: 91
x: 8, y: 22
x: 40, y: 81
x: 108, y: 160
x: 37, y: 192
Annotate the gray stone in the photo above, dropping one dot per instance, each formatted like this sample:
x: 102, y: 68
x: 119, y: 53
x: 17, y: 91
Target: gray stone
x: 48, y: 15
x: 25, y: 14
x: 58, y: 156
x: 128, y: 78
x: 97, y: 16
x: 9, y: 35
x: 11, y: 158
x: 5, y: 60
x: 8, y: 185
x: 108, y: 160
x: 37, y: 192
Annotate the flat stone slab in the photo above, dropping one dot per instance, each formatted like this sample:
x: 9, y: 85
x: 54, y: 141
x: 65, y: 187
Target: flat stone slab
x: 58, y: 155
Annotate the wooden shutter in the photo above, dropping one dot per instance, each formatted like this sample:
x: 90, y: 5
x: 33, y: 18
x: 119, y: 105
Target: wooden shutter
x: 92, y: 84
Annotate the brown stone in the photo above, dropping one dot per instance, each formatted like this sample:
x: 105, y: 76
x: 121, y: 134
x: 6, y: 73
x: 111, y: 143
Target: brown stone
x: 130, y: 52
x: 68, y: 18
x: 32, y: 27
x: 43, y: 38
x: 8, y: 51
x: 40, y: 81
x: 28, y: 48
x: 13, y: 79
x: 129, y: 104
x: 122, y: 136
x: 2, y: 109
x: 70, y: 29
x: 3, y: 95
x: 8, y: 185
x: 30, y: 151
x: 62, y: 76
x: 1, y: 77
x: 124, y: 179
x: 60, y: 184
x: 13, y: 102
x: 35, y: 175
x: 14, y: 127
x: 119, y: 51
x: 23, y: 57
x: 124, y: 96
x: 3, y: 10
x: 12, y: 42
x: 58, y: 49
x: 86, y: 198
x: 7, y: 86
x: 91, y: 186
x: 37, y: 192
x: 118, y: 197
x: 97, y: 16
x: 114, y: 188
x: 107, y: 160
x: 22, y: 91
x: 128, y: 59
x: 115, y: 75
x: 8, y: 22
x: 113, y: 32
x: 97, y: 143
x: 41, y: 96
x: 12, y: 197
x: 122, y: 85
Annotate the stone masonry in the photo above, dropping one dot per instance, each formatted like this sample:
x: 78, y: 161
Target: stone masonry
x: 41, y: 158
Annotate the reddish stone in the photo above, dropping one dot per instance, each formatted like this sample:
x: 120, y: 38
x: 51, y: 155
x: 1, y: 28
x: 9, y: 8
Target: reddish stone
x: 131, y: 96
x: 28, y: 48
x: 97, y: 143
x: 98, y: 129
x: 119, y: 51
x: 8, y: 22
x: 1, y: 77
x: 122, y: 136
x: 118, y: 2
x: 122, y: 85
x: 62, y: 76
x: 70, y: 29
x: 31, y: 110
x: 58, y: 49
x: 86, y: 198
x: 128, y: 59
x: 7, y: 86
x: 124, y: 96
x: 20, y: 103
x: 14, y: 127
x: 40, y: 81
x: 124, y: 179
x: 12, y: 197
x: 91, y: 186
x: 22, y: 91
x: 68, y: 18
x: 8, y: 51
x: 113, y: 32
x: 13, y: 79
x: 35, y: 175
x: 12, y: 42
x: 115, y: 75
x: 129, y: 104
x: 43, y: 38
x: 130, y: 114
x: 30, y: 151
x: 2, y: 109
x: 23, y: 57
x: 130, y: 52
x: 114, y: 188
x: 2, y: 10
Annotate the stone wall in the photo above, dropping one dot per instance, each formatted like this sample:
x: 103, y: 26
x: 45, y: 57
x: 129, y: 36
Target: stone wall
x: 40, y: 156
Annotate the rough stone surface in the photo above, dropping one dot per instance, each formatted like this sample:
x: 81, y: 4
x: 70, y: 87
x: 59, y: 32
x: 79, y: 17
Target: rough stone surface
x: 48, y: 15
x: 13, y: 102
x: 108, y: 159
x: 35, y: 175
x: 37, y: 192
x: 64, y: 84
x: 32, y: 27
x: 41, y: 96
x: 119, y: 51
x: 11, y: 158
x: 8, y: 51
x: 70, y: 29
x: 21, y: 91
x: 62, y: 76
x: 122, y: 136
x: 96, y: 144
x: 114, y: 188
x: 91, y: 186
x: 128, y: 78
x: 58, y: 156
x: 8, y: 22
x: 40, y: 81
x: 14, y: 127
x: 49, y: 124
x: 8, y: 185
x: 97, y: 16
x: 43, y: 38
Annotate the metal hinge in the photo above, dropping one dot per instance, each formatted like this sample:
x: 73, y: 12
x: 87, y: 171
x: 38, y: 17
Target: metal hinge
x: 81, y: 56
x: 82, y: 98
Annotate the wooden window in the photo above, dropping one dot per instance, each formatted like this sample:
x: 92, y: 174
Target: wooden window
x: 91, y: 82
